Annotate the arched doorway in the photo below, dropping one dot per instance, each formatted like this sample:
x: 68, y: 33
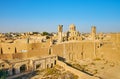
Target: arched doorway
x: 47, y: 65
x: 38, y: 66
x: 51, y: 65
x: 13, y: 71
x: 55, y: 62
x: 23, y: 68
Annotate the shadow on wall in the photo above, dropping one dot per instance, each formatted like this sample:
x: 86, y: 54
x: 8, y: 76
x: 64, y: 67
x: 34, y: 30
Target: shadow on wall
x: 61, y: 58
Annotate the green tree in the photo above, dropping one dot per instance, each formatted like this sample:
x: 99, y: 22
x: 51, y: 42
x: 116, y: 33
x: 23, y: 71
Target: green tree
x: 45, y: 33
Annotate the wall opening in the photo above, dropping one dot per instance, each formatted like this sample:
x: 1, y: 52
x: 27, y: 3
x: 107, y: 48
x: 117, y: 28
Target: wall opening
x: 1, y: 51
x: 15, y: 50
x: 13, y: 71
x: 50, y: 51
x: 38, y: 66
x: 3, y: 65
x: 55, y: 62
x: 23, y: 68
x: 9, y: 48
x: 47, y: 65
x: 51, y: 65
x: 82, y: 55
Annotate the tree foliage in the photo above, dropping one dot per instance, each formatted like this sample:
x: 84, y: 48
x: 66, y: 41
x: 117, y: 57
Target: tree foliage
x: 45, y: 33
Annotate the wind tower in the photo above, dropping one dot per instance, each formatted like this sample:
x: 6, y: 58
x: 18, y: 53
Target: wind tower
x: 93, y: 32
x: 60, y: 30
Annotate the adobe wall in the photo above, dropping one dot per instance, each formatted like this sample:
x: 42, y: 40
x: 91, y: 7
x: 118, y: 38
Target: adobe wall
x: 114, y: 37
x: 38, y: 49
x: 74, y: 50
x: 22, y: 50
x: 6, y: 56
x: 38, y: 53
x: 9, y: 48
x: 81, y: 50
x: 20, y: 55
x: 109, y: 51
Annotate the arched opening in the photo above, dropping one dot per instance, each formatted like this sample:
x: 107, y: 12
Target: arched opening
x: 82, y: 55
x: 47, y: 65
x: 23, y: 68
x: 15, y: 50
x: 38, y: 66
x: 55, y: 62
x: 51, y: 65
x: 1, y: 51
x: 9, y: 48
x: 50, y: 51
x: 32, y: 48
x: 13, y: 71
x: 73, y: 38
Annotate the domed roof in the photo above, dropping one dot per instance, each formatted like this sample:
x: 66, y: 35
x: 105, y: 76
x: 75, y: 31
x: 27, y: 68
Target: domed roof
x: 72, y: 26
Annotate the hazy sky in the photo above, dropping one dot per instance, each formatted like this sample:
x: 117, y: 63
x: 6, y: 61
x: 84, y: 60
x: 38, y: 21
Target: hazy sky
x: 46, y: 15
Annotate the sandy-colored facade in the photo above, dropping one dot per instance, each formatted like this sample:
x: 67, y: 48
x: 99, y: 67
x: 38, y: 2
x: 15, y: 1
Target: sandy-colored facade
x: 70, y: 46
x: 76, y: 46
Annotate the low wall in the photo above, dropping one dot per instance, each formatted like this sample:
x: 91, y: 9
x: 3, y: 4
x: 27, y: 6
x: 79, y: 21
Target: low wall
x: 80, y: 74
x: 6, y: 56
x: 20, y: 55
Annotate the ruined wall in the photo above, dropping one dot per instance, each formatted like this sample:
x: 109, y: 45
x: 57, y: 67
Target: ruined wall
x: 6, y: 56
x: 74, y: 50
x: 20, y: 55
x: 22, y: 50
x: 8, y: 48
x: 88, y: 49
x: 38, y: 49
x: 11, y: 48
x: 109, y: 51
x: 114, y: 37
x: 57, y: 49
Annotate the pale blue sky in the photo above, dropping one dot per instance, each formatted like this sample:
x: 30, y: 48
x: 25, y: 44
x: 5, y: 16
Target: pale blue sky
x: 46, y: 15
